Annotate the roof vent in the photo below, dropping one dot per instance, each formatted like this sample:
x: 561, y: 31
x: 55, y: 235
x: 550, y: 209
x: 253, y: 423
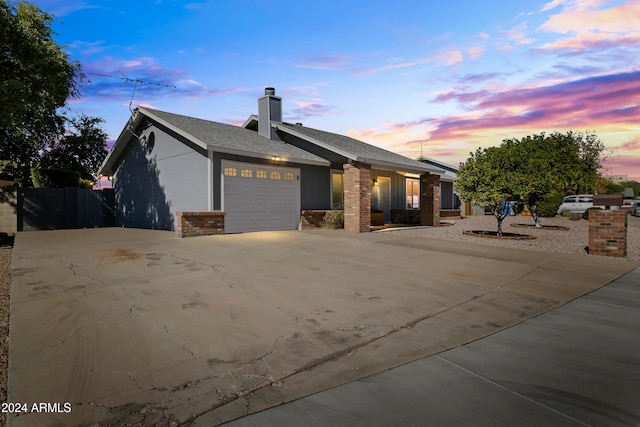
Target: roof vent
x: 270, y: 91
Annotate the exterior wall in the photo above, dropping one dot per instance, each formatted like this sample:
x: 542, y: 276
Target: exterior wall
x: 192, y: 224
x: 152, y: 185
x: 315, y: 181
x: 447, y: 197
x: 608, y: 233
x: 430, y: 199
x: 357, y: 197
x: 398, y: 187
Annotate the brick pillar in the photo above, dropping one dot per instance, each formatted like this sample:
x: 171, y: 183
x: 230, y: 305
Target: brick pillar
x: 357, y: 197
x: 608, y: 233
x: 429, y: 199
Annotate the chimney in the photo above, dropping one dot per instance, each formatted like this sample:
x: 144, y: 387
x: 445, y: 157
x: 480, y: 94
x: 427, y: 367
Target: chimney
x: 269, y: 109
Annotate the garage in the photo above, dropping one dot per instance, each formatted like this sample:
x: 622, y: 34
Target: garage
x: 260, y: 197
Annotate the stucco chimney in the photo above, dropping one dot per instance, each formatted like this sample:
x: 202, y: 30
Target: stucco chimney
x: 269, y: 110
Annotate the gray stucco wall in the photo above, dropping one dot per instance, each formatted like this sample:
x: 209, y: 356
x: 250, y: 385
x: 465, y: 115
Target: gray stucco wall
x: 152, y: 185
x: 314, y: 181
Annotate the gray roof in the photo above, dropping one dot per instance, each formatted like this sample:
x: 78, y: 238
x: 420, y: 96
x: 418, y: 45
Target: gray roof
x: 218, y: 137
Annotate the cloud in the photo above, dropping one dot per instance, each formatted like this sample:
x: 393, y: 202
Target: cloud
x: 551, y: 5
x: 65, y: 8
x: 142, y: 80
x: 306, y: 110
x: 323, y: 62
x: 606, y: 101
x: 594, y: 28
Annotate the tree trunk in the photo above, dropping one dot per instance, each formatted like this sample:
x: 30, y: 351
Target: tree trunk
x: 534, y: 215
x: 500, y: 226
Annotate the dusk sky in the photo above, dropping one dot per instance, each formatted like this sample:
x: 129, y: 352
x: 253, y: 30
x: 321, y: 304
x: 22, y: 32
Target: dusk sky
x: 447, y: 76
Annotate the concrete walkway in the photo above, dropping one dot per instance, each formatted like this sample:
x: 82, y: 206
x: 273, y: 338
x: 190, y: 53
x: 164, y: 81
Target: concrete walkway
x: 577, y: 365
x: 138, y: 326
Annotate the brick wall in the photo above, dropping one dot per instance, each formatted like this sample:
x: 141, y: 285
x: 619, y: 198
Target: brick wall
x: 310, y: 219
x: 429, y: 199
x: 357, y: 197
x: 192, y: 224
x: 608, y: 233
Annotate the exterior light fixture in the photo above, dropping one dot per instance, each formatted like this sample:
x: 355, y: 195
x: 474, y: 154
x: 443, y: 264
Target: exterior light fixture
x: 275, y: 159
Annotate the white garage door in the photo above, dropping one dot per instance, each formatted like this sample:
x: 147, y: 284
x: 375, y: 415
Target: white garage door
x: 260, y: 197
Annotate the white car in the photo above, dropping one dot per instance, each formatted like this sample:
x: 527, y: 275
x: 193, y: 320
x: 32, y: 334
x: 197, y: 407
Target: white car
x: 635, y: 208
x: 576, y: 203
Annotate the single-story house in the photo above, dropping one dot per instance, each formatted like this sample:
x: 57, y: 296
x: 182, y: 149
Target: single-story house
x: 448, y: 197
x: 262, y: 175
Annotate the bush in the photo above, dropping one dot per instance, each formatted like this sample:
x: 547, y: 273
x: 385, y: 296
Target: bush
x: 86, y: 183
x: 565, y: 212
x: 585, y: 215
x: 334, y: 219
x: 54, y: 178
x: 548, y: 207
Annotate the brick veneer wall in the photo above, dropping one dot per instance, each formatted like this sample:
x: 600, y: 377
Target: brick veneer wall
x: 310, y: 219
x: 608, y: 233
x: 429, y: 199
x: 412, y: 216
x: 357, y: 197
x: 192, y: 224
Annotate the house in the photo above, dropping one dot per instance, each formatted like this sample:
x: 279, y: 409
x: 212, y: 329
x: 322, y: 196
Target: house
x: 449, y: 199
x: 262, y: 175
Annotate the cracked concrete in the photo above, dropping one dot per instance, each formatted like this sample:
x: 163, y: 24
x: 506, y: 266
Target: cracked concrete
x: 141, y: 327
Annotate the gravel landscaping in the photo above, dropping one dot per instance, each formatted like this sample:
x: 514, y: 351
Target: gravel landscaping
x: 572, y: 241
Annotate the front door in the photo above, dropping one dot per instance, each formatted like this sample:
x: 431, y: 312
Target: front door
x: 382, y: 196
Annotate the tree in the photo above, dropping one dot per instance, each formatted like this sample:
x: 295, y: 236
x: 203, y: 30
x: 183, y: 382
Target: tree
x: 36, y: 79
x: 487, y: 179
x: 531, y: 170
x: 81, y: 149
x: 554, y: 164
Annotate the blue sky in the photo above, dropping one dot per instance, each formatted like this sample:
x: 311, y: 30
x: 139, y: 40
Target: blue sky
x: 407, y: 75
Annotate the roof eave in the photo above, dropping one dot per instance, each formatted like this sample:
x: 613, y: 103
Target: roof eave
x: 393, y: 166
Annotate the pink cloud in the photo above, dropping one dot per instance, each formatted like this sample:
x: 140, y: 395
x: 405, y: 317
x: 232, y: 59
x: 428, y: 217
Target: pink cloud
x: 591, y: 27
x: 324, y: 62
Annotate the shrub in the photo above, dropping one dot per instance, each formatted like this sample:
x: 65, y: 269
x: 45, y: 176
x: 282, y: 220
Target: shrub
x: 565, y: 212
x: 86, y: 183
x: 334, y: 219
x: 585, y: 215
x: 54, y: 178
x: 548, y: 207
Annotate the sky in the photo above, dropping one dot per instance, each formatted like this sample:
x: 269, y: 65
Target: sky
x: 412, y: 76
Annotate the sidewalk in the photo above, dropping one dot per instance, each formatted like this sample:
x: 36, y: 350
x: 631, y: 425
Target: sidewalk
x: 577, y: 365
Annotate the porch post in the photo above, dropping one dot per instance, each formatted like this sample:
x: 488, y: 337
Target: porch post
x: 429, y: 199
x: 357, y: 197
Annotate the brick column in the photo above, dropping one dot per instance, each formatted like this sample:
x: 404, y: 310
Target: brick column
x: 429, y: 199
x: 608, y: 233
x: 357, y: 197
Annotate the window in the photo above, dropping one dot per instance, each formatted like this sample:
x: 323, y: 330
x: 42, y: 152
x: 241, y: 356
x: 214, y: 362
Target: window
x: 413, y: 193
x: 230, y: 172
x: 275, y: 175
x: 288, y: 176
x: 337, y: 191
x: 261, y: 174
x: 247, y: 173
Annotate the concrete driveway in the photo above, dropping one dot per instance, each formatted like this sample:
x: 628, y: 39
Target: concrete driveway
x: 138, y: 326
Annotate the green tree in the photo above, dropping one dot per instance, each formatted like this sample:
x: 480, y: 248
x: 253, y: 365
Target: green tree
x: 81, y: 149
x: 487, y: 178
x: 36, y: 79
x: 545, y: 165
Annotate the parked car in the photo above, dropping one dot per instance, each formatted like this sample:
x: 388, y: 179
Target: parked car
x: 635, y: 208
x: 576, y: 203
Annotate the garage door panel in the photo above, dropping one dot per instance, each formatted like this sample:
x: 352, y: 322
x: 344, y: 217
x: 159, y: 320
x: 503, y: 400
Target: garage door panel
x: 257, y: 204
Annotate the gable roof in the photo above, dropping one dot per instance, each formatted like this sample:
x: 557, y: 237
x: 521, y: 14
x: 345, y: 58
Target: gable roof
x: 209, y: 135
x: 350, y: 148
